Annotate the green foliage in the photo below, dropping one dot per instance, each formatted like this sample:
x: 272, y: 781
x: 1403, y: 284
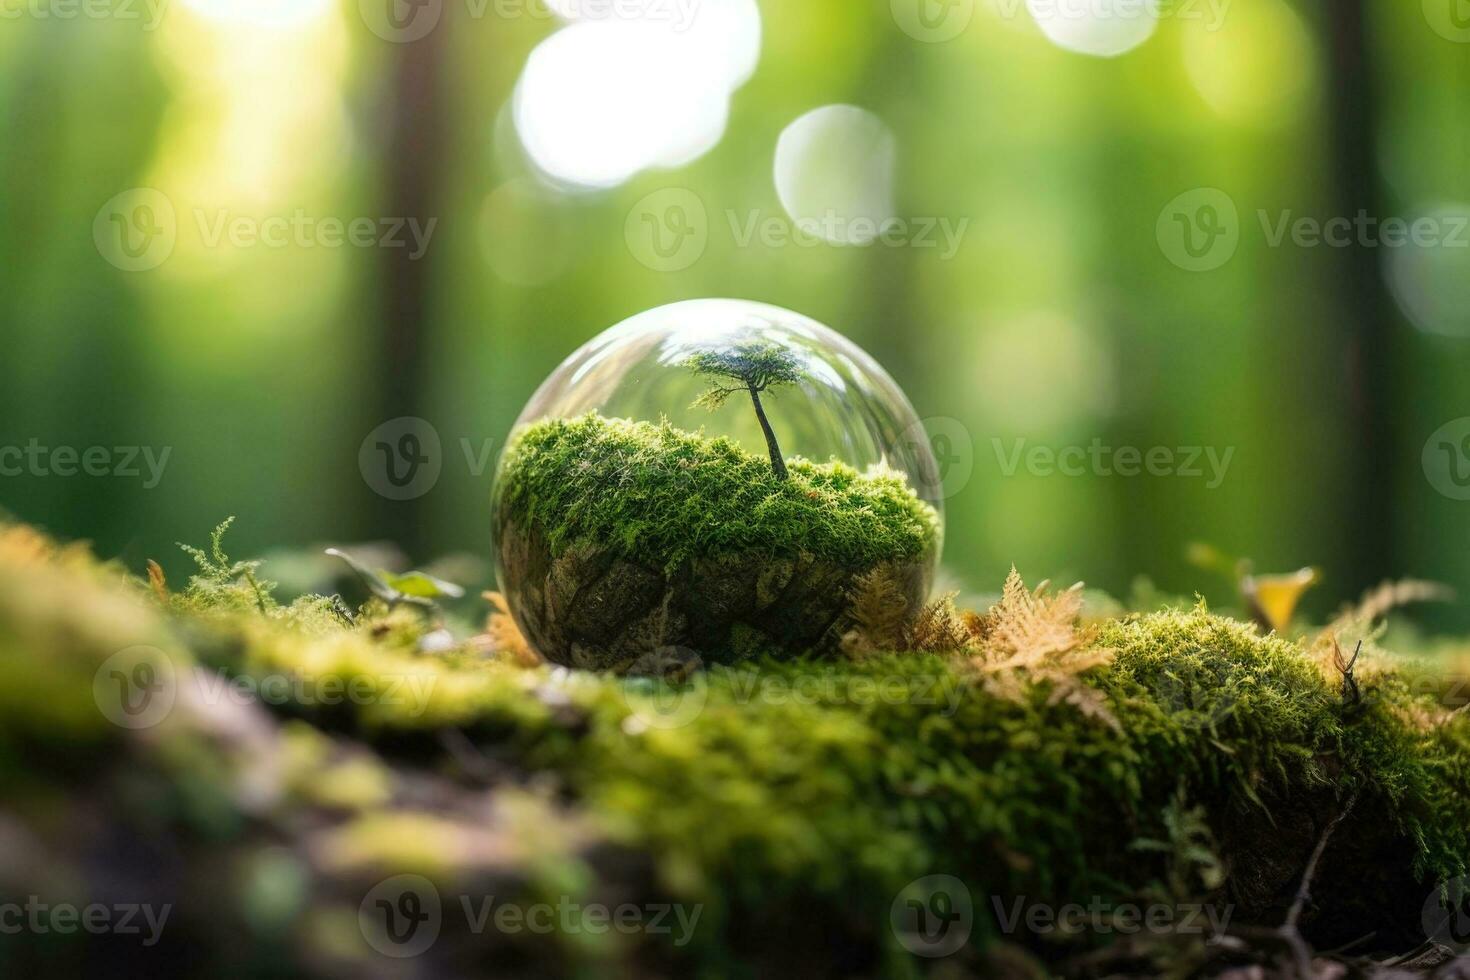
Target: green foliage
x: 663, y: 495
x: 226, y: 583
x: 755, y: 366
x: 414, y: 588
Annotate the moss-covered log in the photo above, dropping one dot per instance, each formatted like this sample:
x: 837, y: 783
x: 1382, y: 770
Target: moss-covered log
x: 792, y: 811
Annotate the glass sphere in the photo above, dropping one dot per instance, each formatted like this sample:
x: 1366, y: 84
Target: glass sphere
x: 819, y: 404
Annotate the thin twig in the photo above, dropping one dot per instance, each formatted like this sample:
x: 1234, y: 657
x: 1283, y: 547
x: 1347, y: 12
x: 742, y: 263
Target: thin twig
x: 1304, y: 890
x: 1288, y: 932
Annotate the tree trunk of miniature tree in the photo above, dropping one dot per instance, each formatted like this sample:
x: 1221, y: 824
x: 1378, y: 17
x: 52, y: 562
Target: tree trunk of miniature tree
x: 777, y: 463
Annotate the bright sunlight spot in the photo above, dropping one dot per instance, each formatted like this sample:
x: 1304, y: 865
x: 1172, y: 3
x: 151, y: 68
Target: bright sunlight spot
x: 610, y: 96
x: 1102, y: 28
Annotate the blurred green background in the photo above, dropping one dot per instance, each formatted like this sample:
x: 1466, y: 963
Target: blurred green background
x: 1070, y: 311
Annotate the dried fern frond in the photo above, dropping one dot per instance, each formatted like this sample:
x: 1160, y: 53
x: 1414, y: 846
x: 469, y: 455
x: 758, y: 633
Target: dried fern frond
x: 505, y: 636
x: 1380, y: 601
x: 878, y: 610
x: 1029, y: 627
x: 1030, y: 638
x: 938, y: 628
x: 883, y: 621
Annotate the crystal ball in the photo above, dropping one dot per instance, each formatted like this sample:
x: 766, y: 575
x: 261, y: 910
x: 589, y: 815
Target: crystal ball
x: 709, y: 481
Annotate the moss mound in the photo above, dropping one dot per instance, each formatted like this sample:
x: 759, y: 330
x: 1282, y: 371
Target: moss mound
x: 621, y: 540
x: 661, y: 496
x: 786, y: 808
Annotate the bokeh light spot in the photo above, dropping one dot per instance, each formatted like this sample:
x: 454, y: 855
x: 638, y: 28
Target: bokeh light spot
x: 1257, y: 68
x: 834, y: 173
x: 1102, y: 28
x: 1429, y: 273
x: 610, y: 96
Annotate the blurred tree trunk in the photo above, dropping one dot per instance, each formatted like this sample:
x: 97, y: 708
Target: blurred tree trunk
x: 414, y: 145
x: 1366, y: 314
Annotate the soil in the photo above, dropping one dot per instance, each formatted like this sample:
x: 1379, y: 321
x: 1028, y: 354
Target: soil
x: 591, y: 608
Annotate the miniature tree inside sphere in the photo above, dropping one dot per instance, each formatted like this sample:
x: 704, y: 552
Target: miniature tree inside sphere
x: 641, y: 512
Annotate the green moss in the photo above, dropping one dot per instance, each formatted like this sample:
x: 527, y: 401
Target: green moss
x: 778, y: 785
x: 786, y: 798
x: 661, y: 495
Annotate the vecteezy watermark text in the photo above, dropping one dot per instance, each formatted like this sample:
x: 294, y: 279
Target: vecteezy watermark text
x: 138, y: 229
x: 1104, y: 917
x: 660, y: 703
x: 1200, y: 230
x: 669, y: 230
x: 1096, y: 459
x: 126, y: 462
x: 779, y: 231
x: 936, y: 21
x: 406, y: 21
x: 64, y: 918
x: 402, y: 916
x: 138, y: 687
x: 149, y: 12
x: 303, y: 230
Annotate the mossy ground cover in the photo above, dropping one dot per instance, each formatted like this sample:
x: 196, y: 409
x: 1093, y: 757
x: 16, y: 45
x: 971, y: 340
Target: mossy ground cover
x: 791, y: 802
x: 682, y: 495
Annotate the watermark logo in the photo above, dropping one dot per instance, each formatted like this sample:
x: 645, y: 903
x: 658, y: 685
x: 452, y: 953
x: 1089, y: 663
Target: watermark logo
x: 668, y: 230
x: 1363, y: 230
x: 136, y: 230
x: 1208, y: 463
x: 402, y: 458
x: 149, y: 12
x: 1209, y: 13
x: 933, y: 21
x: 1446, y: 459
x: 1194, y: 697
x: 843, y: 231
x: 666, y: 689
x: 933, y: 916
x: 1103, y: 917
x: 677, y: 696
x: 1450, y: 19
x: 401, y: 916
x: 135, y: 688
x: 123, y: 462
x: 953, y: 449
x: 41, y: 918
x: 401, y: 21
x: 138, y: 688
x: 303, y: 230
x: 1447, y: 915
x: 1199, y: 230
x: 406, y: 21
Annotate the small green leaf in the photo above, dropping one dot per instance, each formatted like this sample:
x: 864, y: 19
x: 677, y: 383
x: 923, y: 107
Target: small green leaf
x: 376, y: 583
x: 423, y: 585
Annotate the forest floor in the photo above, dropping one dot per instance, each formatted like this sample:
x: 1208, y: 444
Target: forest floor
x: 200, y: 777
